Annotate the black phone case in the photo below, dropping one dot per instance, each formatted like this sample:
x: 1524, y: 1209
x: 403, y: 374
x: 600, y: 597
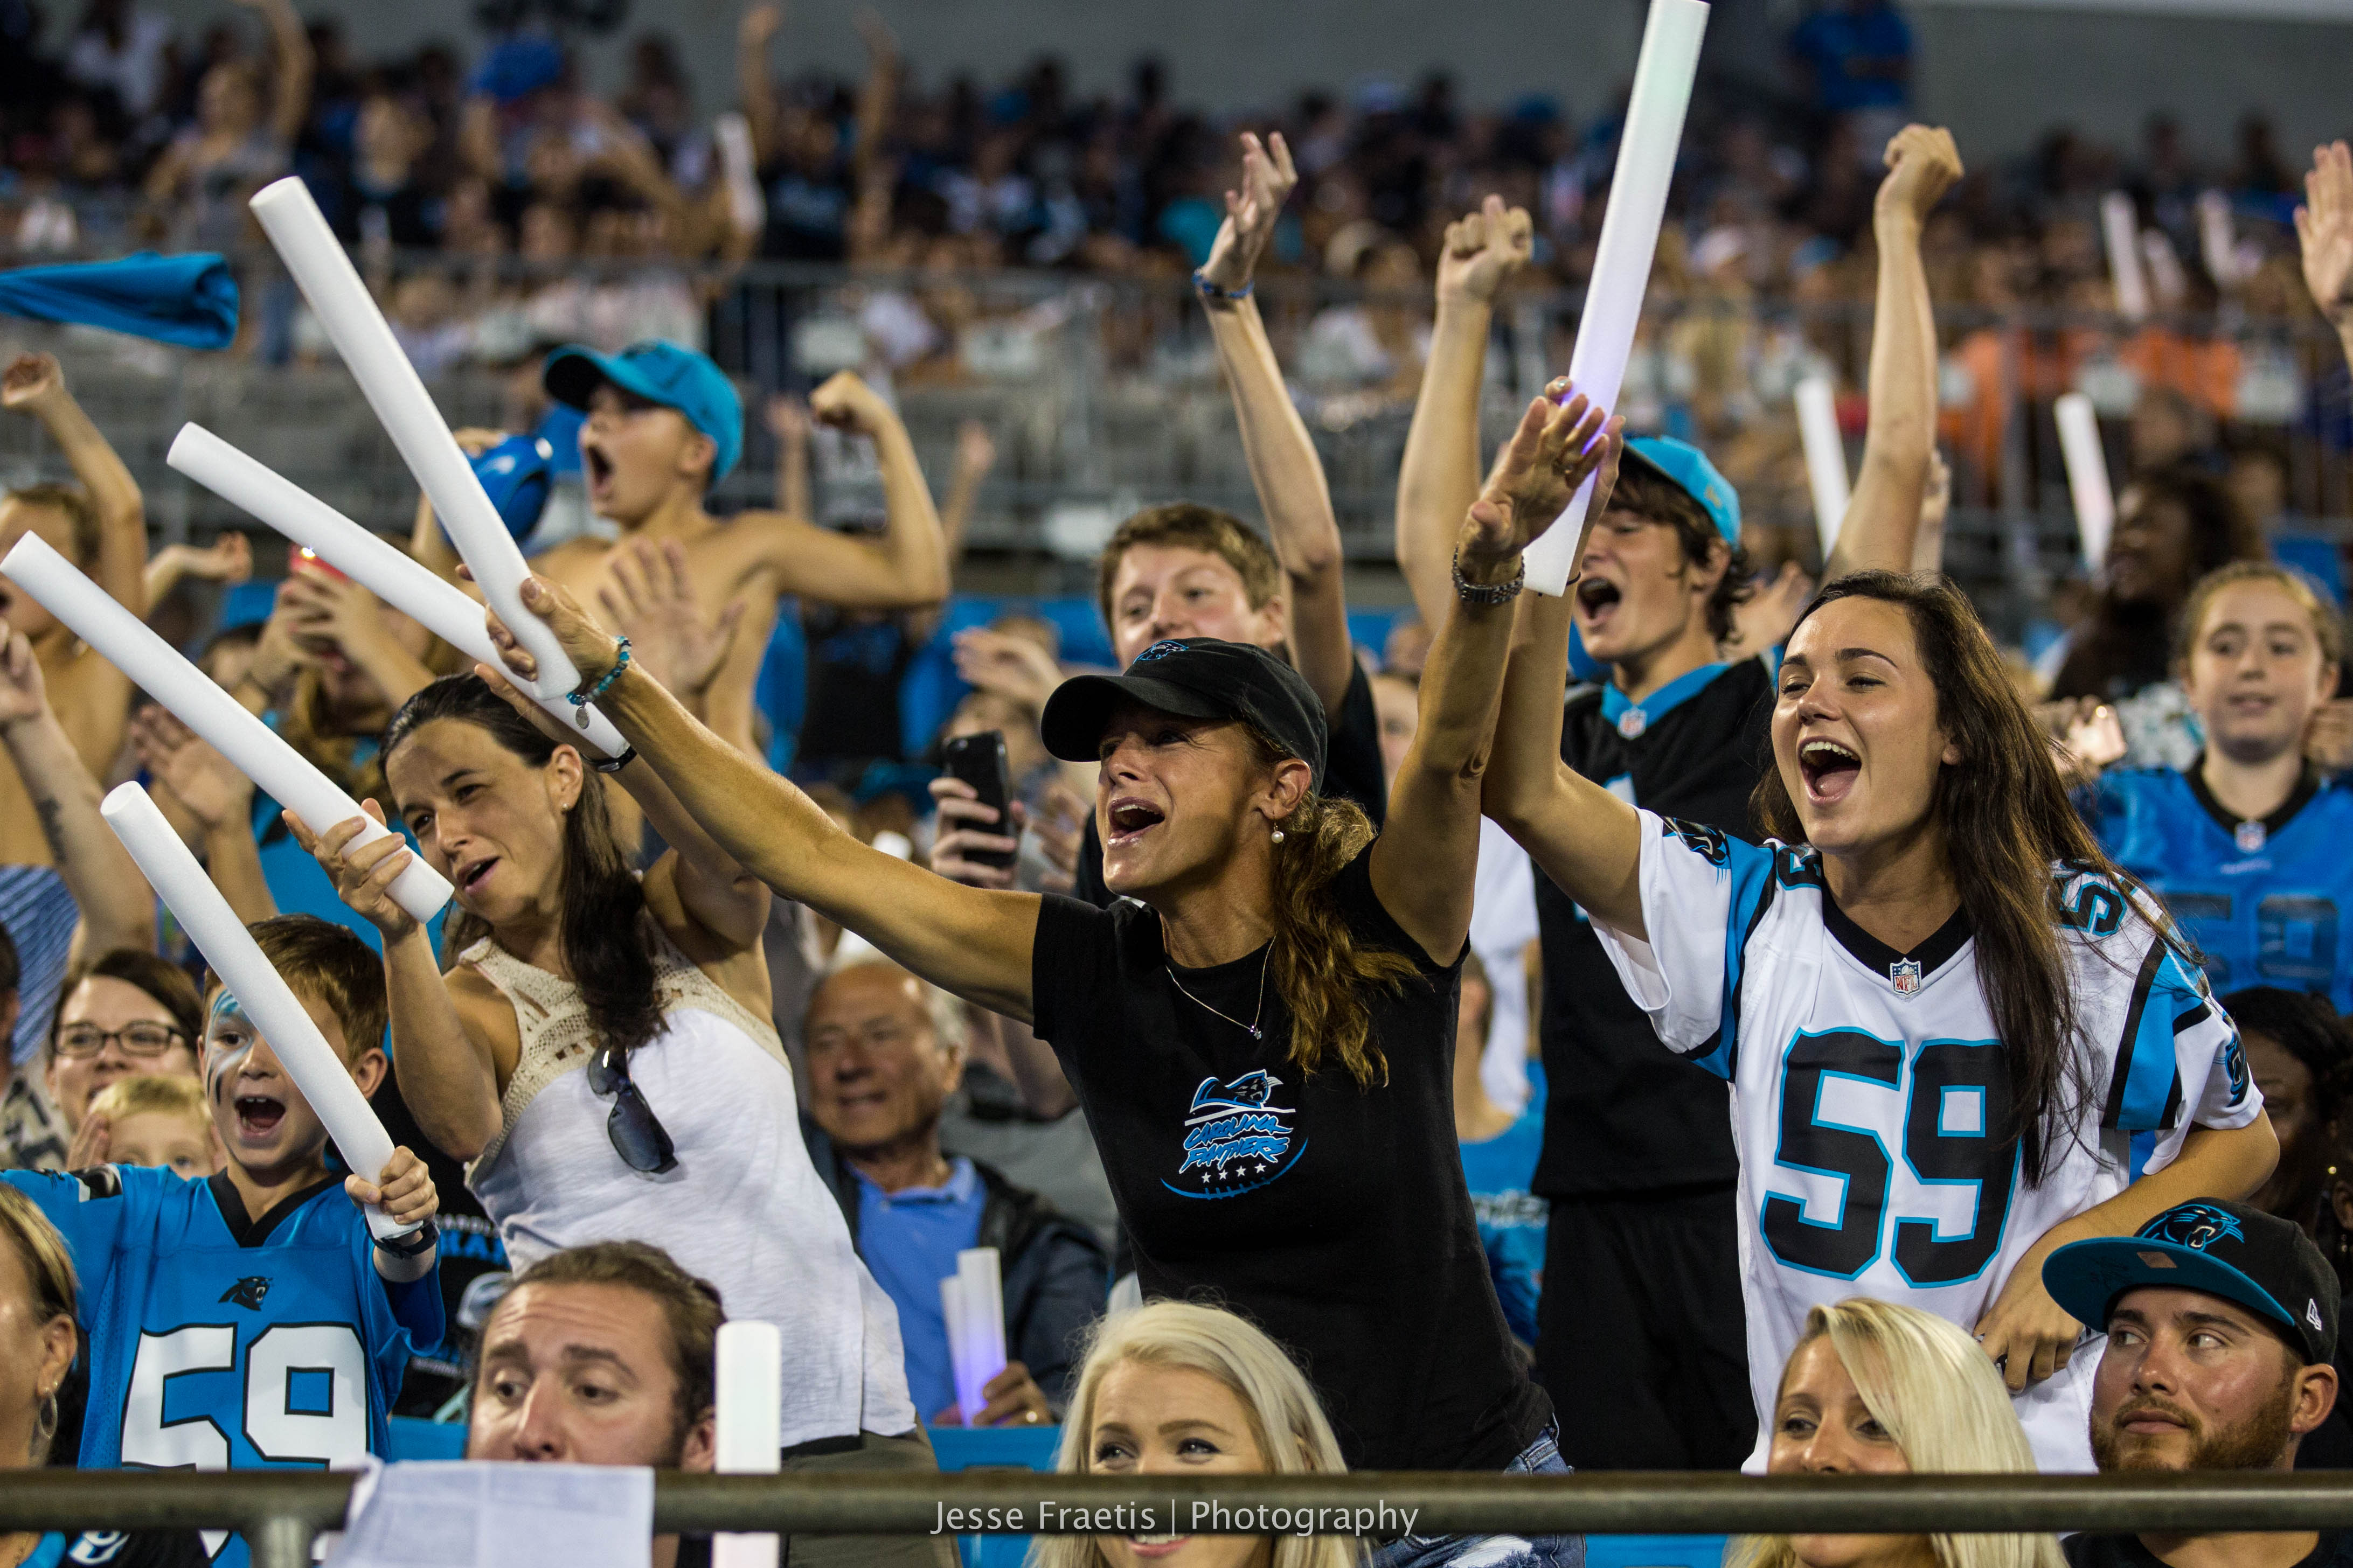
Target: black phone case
x: 979, y: 761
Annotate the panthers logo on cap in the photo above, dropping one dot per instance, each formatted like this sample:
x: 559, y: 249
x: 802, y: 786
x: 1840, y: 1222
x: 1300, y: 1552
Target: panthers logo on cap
x: 1160, y: 649
x: 2198, y: 1225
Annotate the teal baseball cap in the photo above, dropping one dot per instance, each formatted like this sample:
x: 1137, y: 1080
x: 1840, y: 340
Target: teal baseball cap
x: 1686, y: 468
x: 659, y: 372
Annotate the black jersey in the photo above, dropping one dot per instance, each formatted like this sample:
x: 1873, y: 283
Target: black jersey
x: 1623, y: 1113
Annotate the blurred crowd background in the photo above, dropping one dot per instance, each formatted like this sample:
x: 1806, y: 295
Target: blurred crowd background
x: 1011, y: 251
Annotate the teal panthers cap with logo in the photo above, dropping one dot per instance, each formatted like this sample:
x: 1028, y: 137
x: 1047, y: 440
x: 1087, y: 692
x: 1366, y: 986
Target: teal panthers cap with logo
x: 659, y: 372
x: 1686, y: 468
x: 2252, y: 1259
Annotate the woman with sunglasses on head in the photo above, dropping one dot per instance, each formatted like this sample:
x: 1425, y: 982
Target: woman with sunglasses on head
x: 1261, y: 1032
x: 599, y: 1048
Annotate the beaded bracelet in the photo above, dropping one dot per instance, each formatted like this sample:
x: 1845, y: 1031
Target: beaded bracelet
x: 582, y: 699
x: 1213, y: 294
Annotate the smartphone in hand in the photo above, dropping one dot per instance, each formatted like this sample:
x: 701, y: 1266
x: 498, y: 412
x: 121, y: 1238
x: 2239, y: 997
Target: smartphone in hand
x: 979, y: 761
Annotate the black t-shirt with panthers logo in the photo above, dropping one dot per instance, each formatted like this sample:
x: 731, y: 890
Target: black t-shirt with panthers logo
x: 1624, y: 1114
x: 1334, y: 1216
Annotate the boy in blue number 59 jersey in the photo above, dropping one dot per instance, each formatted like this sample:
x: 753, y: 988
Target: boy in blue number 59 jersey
x: 2248, y: 844
x: 249, y: 1320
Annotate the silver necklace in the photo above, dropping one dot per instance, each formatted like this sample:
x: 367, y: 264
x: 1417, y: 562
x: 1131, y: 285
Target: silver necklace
x: 1250, y: 1029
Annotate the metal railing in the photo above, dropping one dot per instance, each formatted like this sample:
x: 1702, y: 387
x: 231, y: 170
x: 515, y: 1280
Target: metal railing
x: 281, y: 1513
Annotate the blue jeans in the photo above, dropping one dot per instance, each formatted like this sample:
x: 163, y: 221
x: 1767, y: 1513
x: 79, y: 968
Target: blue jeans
x: 1541, y: 1458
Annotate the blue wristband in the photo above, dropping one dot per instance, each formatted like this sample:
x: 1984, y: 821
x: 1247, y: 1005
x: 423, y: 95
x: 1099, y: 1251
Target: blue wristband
x: 582, y: 699
x: 1215, y: 295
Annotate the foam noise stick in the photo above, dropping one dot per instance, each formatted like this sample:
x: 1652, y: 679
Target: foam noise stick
x: 441, y: 607
x: 1630, y: 240
x: 751, y: 1369
x: 1818, y: 431
x: 361, y: 335
x: 2087, y: 475
x: 252, y: 747
x: 2121, y: 227
x: 249, y: 976
x: 973, y: 1299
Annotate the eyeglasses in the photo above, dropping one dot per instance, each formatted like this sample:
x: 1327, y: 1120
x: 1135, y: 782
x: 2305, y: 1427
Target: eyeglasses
x: 638, y: 1134
x: 136, y: 1040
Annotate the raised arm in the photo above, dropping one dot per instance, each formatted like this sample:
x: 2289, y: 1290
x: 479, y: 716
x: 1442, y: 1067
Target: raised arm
x: 907, y: 568
x: 753, y: 36
x: 878, y: 98
x: 34, y: 384
x: 1440, y: 477
x: 973, y: 942
x: 788, y: 422
x: 227, y: 560
x: 2324, y: 230
x: 1422, y: 860
x: 290, y: 101
x: 1585, y: 838
x: 189, y: 774
x: 1884, y: 515
x: 117, y: 910
x: 1284, y: 468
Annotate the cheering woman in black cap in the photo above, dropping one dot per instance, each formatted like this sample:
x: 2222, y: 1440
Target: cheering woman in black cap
x: 1262, y: 1042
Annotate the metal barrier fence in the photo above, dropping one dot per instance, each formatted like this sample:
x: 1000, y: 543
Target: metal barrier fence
x: 1101, y: 395
x: 281, y: 1513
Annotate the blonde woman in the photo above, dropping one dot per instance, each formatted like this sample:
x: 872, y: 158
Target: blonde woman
x: 1174, y: 1388
x: 1881, y: 1389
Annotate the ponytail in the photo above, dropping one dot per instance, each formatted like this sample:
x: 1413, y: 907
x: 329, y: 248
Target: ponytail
x: 1318, y: 968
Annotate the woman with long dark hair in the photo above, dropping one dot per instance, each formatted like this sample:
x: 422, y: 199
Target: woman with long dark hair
x: 1261, y: 1032
x: 599, y: 1047
x: 1957, y: 1037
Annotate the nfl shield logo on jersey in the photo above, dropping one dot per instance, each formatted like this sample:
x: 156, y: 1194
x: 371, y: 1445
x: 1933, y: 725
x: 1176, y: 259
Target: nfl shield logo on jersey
x: 1905, y: 976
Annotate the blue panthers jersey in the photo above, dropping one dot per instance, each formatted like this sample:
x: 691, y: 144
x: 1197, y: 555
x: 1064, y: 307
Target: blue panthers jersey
x: 222, y: 1343
x: 2259, y: 898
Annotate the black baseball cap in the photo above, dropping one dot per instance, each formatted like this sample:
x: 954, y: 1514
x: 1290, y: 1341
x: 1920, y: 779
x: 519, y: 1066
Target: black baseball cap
x: 1193, y: 678
x: 2246, y: 1256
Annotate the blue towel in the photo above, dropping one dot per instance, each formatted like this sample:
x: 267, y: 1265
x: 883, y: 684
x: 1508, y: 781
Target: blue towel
x: 190, y: 301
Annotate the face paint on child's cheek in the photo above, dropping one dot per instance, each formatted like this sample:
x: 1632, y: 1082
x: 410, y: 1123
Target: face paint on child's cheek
x: 223, y: 1058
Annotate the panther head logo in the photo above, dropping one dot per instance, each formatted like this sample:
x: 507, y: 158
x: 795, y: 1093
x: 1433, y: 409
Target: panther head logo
x: 2198, y: 1225
x: 1248, y: 1092
x: 2234, y: 1066
x: 248, y: 1292
x: 1160, y: 649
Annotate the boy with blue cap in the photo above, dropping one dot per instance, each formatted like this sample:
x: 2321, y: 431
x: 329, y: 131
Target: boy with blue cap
x: 2221, y: 1337
x: 664, y: 425
x: 1646, y: 1355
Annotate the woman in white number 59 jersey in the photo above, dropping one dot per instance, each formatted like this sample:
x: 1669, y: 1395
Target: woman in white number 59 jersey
x: 1957, y: 1037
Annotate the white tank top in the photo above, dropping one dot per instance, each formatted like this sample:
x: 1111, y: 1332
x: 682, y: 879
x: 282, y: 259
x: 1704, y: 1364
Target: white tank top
x: 744, y: 1207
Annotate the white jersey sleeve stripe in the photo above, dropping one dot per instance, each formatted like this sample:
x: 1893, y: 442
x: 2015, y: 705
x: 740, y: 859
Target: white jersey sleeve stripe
x: 1702, y: 895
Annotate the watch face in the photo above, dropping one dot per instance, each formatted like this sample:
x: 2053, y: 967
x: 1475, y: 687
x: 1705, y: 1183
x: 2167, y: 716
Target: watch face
x: 2250, y: 837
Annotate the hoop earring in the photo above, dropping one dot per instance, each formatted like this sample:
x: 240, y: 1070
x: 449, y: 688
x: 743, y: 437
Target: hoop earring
x: 45, y: 1424
x: 1278, y: 835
